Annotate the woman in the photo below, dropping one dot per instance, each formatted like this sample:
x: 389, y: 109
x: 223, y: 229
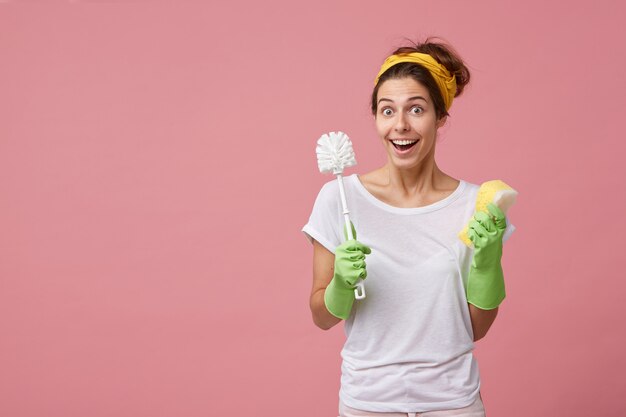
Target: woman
x: 409, y: 343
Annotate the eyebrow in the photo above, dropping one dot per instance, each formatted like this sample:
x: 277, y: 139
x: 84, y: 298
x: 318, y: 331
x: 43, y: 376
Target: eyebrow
x: 411, y: 98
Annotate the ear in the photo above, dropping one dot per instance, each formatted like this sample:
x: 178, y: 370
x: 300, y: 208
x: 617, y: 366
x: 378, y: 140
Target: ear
x: 441, y: 121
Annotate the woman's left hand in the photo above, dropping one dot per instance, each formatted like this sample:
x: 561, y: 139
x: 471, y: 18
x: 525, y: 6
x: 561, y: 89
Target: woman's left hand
x: 485, y: 287
x: 486, y: 233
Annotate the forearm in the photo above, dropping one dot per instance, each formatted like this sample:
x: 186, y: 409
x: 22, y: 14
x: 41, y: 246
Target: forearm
x: 321, y: 316
x: 481, y: 320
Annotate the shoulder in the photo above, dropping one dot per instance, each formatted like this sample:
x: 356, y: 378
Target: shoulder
x: 471, y: 187
x: 330, y: 187
x: 470, y: 192
x: 328, y: 193
x: 373, y: 179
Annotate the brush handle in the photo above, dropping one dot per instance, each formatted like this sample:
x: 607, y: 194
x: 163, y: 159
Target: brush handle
x: 359, y: 291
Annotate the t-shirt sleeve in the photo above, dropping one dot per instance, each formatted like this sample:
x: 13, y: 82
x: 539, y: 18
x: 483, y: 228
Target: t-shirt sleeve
x: 326, y: 218
x: 510, y: 228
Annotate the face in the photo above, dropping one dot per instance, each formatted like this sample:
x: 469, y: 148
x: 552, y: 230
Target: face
x: 406, y: 122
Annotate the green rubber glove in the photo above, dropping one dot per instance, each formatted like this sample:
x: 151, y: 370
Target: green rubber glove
x: 349, y: 267
x: 485, y: 285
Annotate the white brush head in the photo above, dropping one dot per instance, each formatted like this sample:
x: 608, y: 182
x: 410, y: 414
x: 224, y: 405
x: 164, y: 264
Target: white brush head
x: 334, y: 153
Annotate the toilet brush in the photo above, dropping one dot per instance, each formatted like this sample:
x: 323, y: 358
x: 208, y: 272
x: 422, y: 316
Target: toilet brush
x: 334, y: 153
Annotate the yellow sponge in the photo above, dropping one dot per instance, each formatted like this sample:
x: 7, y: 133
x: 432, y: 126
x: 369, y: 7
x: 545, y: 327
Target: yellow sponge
x: 496, y: 192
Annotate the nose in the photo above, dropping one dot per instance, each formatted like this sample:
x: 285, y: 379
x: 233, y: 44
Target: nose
x: 402, y: 124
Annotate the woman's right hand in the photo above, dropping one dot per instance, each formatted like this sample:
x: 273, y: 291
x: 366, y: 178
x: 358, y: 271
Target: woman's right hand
x: 350, y: 263
x: 348, y: 269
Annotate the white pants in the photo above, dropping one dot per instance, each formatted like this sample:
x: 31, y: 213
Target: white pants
x: 474, y: 410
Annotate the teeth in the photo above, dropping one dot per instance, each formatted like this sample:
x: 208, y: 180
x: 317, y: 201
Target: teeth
x: 403, y: 142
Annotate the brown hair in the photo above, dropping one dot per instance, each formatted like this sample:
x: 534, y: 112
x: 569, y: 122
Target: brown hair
x: 442, y: 53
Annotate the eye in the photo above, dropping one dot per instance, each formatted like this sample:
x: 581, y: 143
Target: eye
x: 387, y: 111
x: 417, y: 110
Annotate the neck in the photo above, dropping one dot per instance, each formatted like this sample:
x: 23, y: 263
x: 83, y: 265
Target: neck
x: 418, y: 180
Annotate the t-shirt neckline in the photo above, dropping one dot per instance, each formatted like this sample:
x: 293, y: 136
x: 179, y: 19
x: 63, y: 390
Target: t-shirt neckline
x: 408, y: 210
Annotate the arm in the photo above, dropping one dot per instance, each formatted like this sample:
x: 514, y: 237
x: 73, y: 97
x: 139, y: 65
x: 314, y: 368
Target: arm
x: 323, y: 271
x: 481, y: 320
x: 485, y: 287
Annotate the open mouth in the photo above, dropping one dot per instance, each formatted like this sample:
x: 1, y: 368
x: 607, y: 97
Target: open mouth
x: 404, y: 145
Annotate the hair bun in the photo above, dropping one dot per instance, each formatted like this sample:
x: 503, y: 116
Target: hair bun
x: 445, y: 55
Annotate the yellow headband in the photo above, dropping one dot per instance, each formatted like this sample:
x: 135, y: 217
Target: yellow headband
x: 445, y: 81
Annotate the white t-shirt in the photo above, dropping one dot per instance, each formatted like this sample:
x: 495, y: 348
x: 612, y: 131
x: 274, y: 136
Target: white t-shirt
x: 409, y: 342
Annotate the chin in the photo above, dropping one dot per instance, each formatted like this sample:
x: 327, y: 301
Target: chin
x: 404, y: 164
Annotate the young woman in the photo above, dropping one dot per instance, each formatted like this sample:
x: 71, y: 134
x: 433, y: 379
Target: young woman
x: 409, y: 343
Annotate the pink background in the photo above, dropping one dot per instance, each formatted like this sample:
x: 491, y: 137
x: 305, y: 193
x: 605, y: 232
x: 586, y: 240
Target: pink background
x: 157, y: 163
